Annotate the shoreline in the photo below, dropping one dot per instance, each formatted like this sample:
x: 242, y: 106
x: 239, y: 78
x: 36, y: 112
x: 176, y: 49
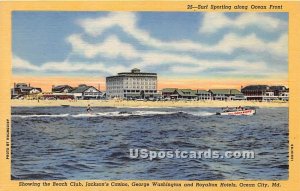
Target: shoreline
x: 143, y: 104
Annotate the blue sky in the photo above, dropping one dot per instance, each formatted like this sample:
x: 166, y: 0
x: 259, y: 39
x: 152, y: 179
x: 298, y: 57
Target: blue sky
x: 173, y: 44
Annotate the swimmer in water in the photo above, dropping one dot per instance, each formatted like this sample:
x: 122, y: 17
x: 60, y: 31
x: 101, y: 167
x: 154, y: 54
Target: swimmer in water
x: 89, y: 109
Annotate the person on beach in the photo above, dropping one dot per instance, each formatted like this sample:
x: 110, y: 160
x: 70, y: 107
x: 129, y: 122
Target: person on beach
x: 89, y: 109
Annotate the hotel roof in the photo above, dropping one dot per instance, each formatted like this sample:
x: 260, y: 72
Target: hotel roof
x: 134, y: 72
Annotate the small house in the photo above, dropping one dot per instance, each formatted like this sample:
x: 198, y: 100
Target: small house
x: 167, y: 92
x: 226, y: 94
x: 22, y: 89
x: 86, y: 92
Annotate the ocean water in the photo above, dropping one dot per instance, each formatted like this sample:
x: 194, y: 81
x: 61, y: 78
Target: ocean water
x: 50, y: 143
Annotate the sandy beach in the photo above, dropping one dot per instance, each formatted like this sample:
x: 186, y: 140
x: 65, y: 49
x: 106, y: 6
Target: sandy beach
x: 123, y: 103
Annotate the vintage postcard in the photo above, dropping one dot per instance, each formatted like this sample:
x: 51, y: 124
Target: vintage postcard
x: 154, y: 95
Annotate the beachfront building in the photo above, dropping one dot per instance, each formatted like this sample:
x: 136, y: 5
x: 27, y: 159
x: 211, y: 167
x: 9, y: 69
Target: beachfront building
x: 279, y: 90
x: 168, y: 92
x: 256, y: 92
x: 62, y: 92
x: 226, y: 94
x: 23, y: 89
x: 62, y: 89
x: 132, y: 85
x: 284, y: 96
x: 86, y: 92
x: 175, y: 93
x: 185, y: 94
x: 203, y: 95
x: 265, y: 92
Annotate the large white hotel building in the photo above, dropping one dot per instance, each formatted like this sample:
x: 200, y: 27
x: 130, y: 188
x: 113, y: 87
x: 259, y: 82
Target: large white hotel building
x: 132, y: 85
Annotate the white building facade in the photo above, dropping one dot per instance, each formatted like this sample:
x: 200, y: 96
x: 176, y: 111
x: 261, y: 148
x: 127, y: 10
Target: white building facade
x: 132, y: 85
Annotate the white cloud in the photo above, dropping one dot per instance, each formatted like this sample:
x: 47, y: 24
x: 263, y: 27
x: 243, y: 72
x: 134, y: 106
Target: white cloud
x: 240, y: 66
x: 96, y: 27
x: 185, y: 62
x: 190, y: 65
x: 231, y: 42
x: 127, y: 21
x: 237, y: 67
x: 280, y: 47
x: 212, y: 22
x: 19, y: 63
x: 112, y: 47
x: 175, y: 54
x: 253, y: 44
x: 66, y: 66
x: 177, y: 64
x: 151, y: 58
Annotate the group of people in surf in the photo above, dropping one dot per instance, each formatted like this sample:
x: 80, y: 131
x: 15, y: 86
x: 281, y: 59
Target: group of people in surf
x: 228, y: 109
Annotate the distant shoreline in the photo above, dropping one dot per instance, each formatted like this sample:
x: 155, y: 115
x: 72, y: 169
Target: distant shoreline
x: 143, y: 104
